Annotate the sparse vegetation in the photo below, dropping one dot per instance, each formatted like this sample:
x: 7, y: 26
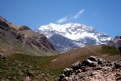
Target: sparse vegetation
x: 111, y: 50
x: 17, y: 66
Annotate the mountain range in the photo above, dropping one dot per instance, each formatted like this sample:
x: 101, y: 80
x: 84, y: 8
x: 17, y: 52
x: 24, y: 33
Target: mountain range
x: 70, y: 36
x: 24, y: 51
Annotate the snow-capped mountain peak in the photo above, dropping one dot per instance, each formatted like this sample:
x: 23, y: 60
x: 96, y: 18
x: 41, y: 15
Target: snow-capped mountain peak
x: 79, y: 35
x: 69, y: 30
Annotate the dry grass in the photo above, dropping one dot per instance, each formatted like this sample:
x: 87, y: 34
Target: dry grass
x: 67, y: 59
x: 56, y: 64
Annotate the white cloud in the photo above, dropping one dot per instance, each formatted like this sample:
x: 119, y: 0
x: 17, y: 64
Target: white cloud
x: 62, y: 20
x: 79, y: 14
x: 76, y: 16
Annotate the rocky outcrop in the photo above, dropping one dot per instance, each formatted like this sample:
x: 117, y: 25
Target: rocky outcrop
x: 3, y: 25
x: 93, y: 69
x: 24, y: 28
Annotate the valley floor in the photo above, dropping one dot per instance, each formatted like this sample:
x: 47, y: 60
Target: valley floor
x: 49, y: 68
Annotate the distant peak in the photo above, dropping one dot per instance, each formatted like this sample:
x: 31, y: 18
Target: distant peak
x: 66, y: 25
x: 71, y: 35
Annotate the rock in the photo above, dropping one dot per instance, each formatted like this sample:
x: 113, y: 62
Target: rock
x: 68, y: 71
x: 118, y: 76
x: 117, y: 65
x: 82, y: 69
x: 78, y: 71
x: 101, y: 61
x: 24, y: 28
x: 93, y: 73
x: 65, y: 78
x: 93, y: 69
x: 91, y: 62
x: 76, y: 65
x: 61, y: 77
x: 93, y: 58
x: 3, y: 24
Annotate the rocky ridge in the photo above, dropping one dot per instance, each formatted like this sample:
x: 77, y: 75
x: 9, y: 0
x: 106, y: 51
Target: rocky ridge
x: 93, y: 69
x: 23, y: 39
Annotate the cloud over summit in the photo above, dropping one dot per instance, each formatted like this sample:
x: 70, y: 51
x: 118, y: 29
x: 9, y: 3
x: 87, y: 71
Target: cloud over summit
x: 64, y: 19
x: 79, y: 14
x: 67, y: 18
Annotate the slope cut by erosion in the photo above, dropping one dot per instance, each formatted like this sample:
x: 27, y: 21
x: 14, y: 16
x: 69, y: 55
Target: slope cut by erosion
x: 21, y: 39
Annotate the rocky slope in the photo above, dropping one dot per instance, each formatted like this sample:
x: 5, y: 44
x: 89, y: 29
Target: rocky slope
x: 21, y: 39
x: 93, y: 69
x: 115, y: 41
x: 72, y: 35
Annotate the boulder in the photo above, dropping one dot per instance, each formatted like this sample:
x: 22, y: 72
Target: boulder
x: 93, y: 58
x: 117, y: 65
x: 68, y: 71
x: 92, y: 61
x: 61, y: 77
x: 76, y: 65
x: 101, y: 61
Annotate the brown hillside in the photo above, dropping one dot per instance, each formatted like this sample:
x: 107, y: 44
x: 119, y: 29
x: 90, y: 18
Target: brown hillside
x: 21, y: 39
x: 67, y: 59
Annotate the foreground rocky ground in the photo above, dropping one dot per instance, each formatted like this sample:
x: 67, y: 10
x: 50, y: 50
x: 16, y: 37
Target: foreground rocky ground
x: 93, y: 69
x: 16, y: 68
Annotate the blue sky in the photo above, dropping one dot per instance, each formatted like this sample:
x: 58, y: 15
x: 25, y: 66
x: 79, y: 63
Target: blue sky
x: 103, y: 15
